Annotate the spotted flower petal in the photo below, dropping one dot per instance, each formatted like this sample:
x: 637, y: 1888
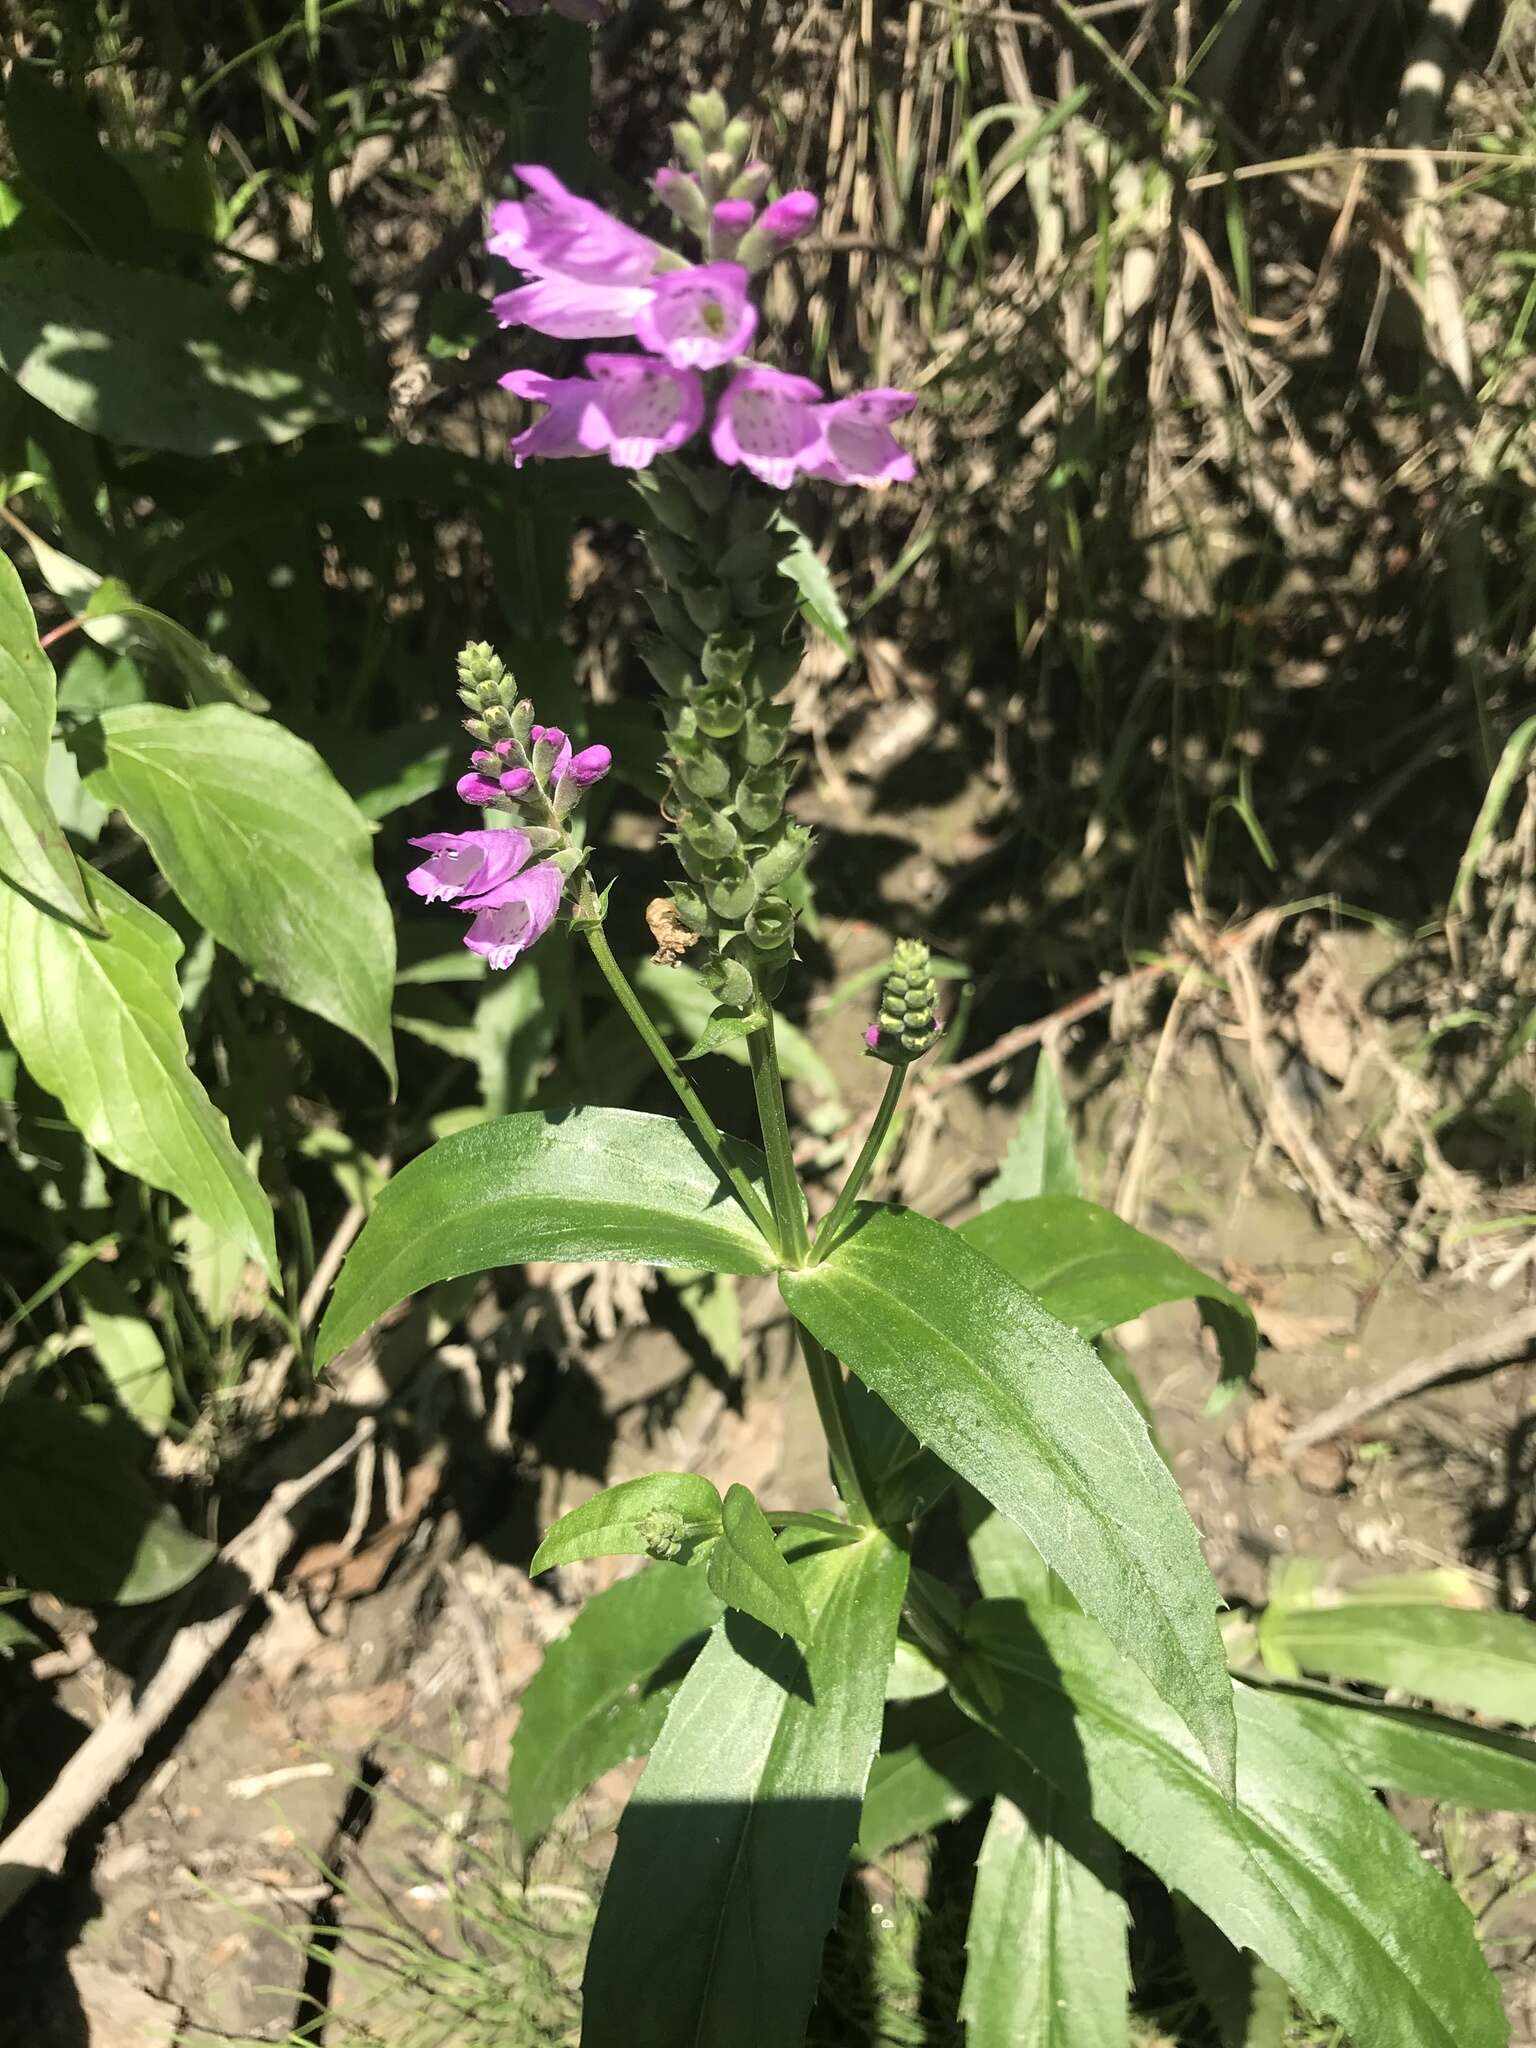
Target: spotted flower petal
x: 553, y: 233
x: 466, y: 863
x: 858, y: 446
x: 766, y: 421
x: 698, y: 319
x: 646, y: 408
x: 514, y: 915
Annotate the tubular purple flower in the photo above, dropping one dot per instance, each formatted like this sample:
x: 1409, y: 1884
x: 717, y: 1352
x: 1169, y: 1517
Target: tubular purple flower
x: 728, y: 223
x: 571, y: 308
x: 565, y: 430
x: 465, y: 863
x: 857, y: 445
x: 511, y: 917
x: 766, y: 421
x: 517, y: 781
x: 786, y: 220
x: 476, y: 790
x: 585, y: 768
x: 645, y: 409
x: 553, y: 233
x: 698, y: 319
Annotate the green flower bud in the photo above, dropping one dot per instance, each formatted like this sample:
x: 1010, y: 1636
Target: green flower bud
x: 721, y: 713
x: 705, y: 774
x: 543, y: 757
x: 908, y: 1022
x: 480, y: 667
x: 710, y: 833
x: 690, y: 144
x: 470, y: 698
x: 737, y: 140
x: 498, y: 721
x: 522, y: 721
x: 709, y: 113
x: 774, y: 867
x: 763, y: 735
x: 564, y: 796
x: 771, y: 924
x: 478, y: 730
x: 662, y: 1531
x: 730, y: 981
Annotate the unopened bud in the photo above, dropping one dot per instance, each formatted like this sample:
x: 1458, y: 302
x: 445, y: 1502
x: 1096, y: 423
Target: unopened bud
x: 522, y: 721
x: 709, y: 113
x: 736, y: 140
x: 907, y: 1026
x: 731, y: 891
x: 751, y: 182
x: 690, y: 144
x: 680, y: 193
x: 727, y: 224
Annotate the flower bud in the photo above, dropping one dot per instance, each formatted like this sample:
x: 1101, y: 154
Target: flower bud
x: 908, y: 1024
x: 662, y: 1531
x: 470, y: 698
x: 709, y: 113
x: 719, y: 169
x: 729, y: 980
x: 705, y: 774
x: 522, y: 721
x: 751, y: 182
x: 564, y: 796
x: 780, y: 861
x: 480, y: 666
x: 726, y: 659
x: 721, y: 713
x: 690, y: 144
x: 736, y: 140
x: 764, y: 734
x: 681, y: 195
x: 498, y: 721
x: 728, y: 222
x: 760, y: 797
x: 731, y: 891
x: 770, y: 924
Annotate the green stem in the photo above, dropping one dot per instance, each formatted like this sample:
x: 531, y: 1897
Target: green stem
x: 783, y: 1181
x: 828, y: 1231
x: 826, y: 1377
x: 703, y: 1122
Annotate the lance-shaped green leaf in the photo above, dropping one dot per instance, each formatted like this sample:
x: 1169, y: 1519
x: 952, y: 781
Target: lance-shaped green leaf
x: 97, y: 1023
x: 151, y: 361
x: 1046, y: 1963
x: 1461, y: 1655
x: 34, y: 854
x: 266, y: 850
x: 587, y: 1184
x: 732, y: 1851
x: 1040, y: 1159
x: 1020, y: 1405
x: 1094, y: 1271
x: 661, y: 1514
x: 747, y: 1571
x: 602, y: 1692
x: 1305, y: 1867
x: 934, y: 1764
x: 1426, y: 1756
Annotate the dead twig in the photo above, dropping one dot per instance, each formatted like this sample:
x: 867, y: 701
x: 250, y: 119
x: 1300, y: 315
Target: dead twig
x: 1504, y: 1343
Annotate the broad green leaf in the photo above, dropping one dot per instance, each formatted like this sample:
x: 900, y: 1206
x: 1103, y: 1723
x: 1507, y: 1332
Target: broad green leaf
x: 59, y: 152
x: 1046, y: 1963
x: 117, y: 621
x: 127, y: 1348
x: 934, y: 1764
x: 1019, y: 1405
x: 265, y: 849
x: 913, y: 1675
x: 1460, y: 1655
x: 97, y: 1023
x: 77, y: 1517
x: 686, y: 1006
x: 733, y: 1848
x: 1007, y: 1565
x: 1040, y: 1159
x: 1247, y: 2001
x: 745, y: 1569
x: 661, y: 1514
x: 905, y: 1479
x: 1305, y: 1868
x: 603, y: 1690
x: 1093, y: 1271
x: 589, y: 1184
x: 34, y: 854
x: 151, y: 361
x: 1426, y: 1756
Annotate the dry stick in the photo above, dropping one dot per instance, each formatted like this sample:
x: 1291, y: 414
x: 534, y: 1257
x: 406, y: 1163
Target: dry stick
x: 1501, y: 1345
x: 37, y: 1846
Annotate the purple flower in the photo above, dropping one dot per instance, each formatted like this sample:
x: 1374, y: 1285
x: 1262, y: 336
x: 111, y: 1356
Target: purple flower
x: 475, y: 790
x: 465, y: 863
x: 698, y: 319
x: 590, y: 273
x: 514, y: 914
x: 872, y: 1036
x: 728, y: 223
x: 585, y: 768
x: 857, y: 445
x: 766, y: 420
x: 630, y: 408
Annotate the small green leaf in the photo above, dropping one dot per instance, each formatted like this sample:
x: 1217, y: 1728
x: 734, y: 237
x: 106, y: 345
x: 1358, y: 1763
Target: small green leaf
x: 1019, y: 1405
x: 586, y: 1184
x: 1094, y: 1272
x: 1046, y: 1963
x: 735, y: 1844
x: 34, y: 854
x: 747, y: 1571
x: 77, y: 1518
x: 1425, y: 1756
x: 666, y: 1515
x: 1040, y: 1159
x: 97, y: 1023
x: 265, y: 849
x: 127, y: 1348
x: 934, y: 1764
x: 1459, y: 1655
x: 819, y: 601
x: 152, y: 361
x: 603, y: 1690
x: 1305, y: 1867
x: 723, y: 1027
x: 913, y: 1675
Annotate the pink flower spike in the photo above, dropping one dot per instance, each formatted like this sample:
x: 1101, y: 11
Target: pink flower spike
x: 514, y: 915
x: 786, y: 220
x: 570, y: 428
x: 476, y: 790
x: 645, y: 409
x: 585, y: 768
x: 698, y: 319
x: 766, y: 420
x: 858, y: 446
x: 465, y: 863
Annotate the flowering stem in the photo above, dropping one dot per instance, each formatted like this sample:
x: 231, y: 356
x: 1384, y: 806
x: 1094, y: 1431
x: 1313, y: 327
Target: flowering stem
x: 783, y: 1181
x: 829, y: 1230
x: 826, y: 1377
x: 703, y: 1122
